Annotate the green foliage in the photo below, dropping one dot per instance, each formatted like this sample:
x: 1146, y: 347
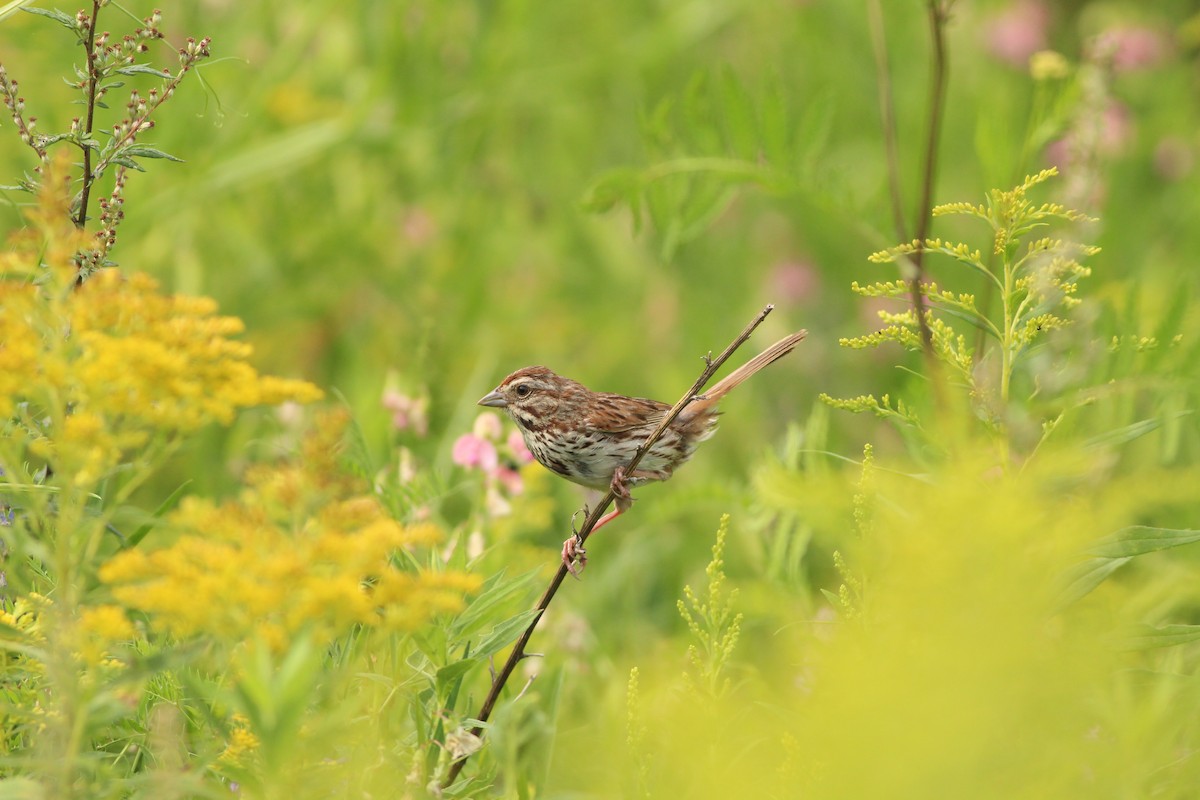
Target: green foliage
x: 713, y: 623
x: 714, y: 139
x: 391, y: 202
x: 1035, y: 283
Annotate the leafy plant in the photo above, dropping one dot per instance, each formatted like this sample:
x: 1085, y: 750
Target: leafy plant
x: 108, y: 63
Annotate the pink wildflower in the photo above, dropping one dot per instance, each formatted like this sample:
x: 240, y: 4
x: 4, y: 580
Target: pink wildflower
x: 470, y: 451
x: 407, y: 412
x: 516, y: 443
x: 1018, y: 32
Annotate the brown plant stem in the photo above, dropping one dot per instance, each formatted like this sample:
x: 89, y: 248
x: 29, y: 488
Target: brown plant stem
x: 711, y: 366
x: 939, y: 11
x: 90, y: 51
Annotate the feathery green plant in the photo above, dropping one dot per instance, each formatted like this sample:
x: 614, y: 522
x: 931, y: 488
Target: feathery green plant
x: 713, y: 622
x: 1035, y: 281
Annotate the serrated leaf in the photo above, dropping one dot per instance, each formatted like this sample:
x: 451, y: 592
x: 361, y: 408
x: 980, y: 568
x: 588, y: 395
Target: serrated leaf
x: 1138, y: 540
x: 145, y: 151
x: 505, y: 633
x: 1148, y: 637
x: 1087, y: 576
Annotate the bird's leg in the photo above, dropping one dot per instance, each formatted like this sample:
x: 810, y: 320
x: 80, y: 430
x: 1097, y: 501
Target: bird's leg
x: 620, y: 490
x: 573, y: 547
x: 572, y: 552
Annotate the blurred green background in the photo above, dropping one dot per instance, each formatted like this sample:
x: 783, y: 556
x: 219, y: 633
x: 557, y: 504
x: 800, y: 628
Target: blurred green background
x: 401, y: 190
x: 408, y: 195
x: 399, y: 186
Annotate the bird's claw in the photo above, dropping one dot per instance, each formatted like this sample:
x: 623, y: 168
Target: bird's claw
x: 620, y: 484
x: 572, y: 553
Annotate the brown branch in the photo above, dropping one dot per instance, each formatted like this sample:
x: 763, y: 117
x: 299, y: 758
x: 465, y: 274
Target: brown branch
x: 89, y: 47
x: 518, y: 652
x: 939, y: 11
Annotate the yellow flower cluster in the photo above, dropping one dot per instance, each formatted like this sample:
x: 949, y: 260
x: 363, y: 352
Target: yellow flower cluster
x: 296, y: 551
x: 241, y: 746
x: 92, y: 634
x: 100, y: 369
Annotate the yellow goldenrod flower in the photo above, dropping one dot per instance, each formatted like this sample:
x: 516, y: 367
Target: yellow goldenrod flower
x: 300, y: 550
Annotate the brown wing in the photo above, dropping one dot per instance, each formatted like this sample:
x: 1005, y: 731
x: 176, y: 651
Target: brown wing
x: 615, y: 413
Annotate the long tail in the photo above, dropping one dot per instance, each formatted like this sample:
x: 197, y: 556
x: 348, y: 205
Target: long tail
x: 723, y: 386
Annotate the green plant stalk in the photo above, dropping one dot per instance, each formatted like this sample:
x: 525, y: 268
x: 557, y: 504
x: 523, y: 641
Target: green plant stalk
x: 1007, y: 349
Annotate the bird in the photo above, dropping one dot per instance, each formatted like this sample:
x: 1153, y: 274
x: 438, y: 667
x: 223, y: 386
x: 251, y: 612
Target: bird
x: 589, y: 437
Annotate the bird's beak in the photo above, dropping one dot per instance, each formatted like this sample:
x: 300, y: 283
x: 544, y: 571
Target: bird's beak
x: 493, y: 400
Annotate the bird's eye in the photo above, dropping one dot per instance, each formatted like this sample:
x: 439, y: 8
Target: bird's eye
x: 523, y: 390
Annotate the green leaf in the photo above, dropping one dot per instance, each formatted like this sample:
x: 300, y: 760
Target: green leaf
x: 832, y: 597
x: 775, y: 129
x: 129, y: 163
x: 163, y: 508
x: 145, y: 151
x: 1124, y: 434
x: 505, y: 633
x: 971, y: 317
x: 815, y: 126
x: 1138, y: 540
x: 1087, y: 576
x: 495, y: 592
x: 142, y: 69
x: 736, y: 114
x: 1148, y: 637
x: 452, y: 672
x: 615, y: 186
x: 54, y: 14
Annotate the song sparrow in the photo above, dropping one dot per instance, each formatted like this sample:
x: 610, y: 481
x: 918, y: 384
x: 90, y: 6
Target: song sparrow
x: 588, y: 437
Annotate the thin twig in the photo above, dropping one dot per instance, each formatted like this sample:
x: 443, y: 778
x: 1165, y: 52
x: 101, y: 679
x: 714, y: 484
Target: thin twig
x: 939, y: 10
x: 518, y: 651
